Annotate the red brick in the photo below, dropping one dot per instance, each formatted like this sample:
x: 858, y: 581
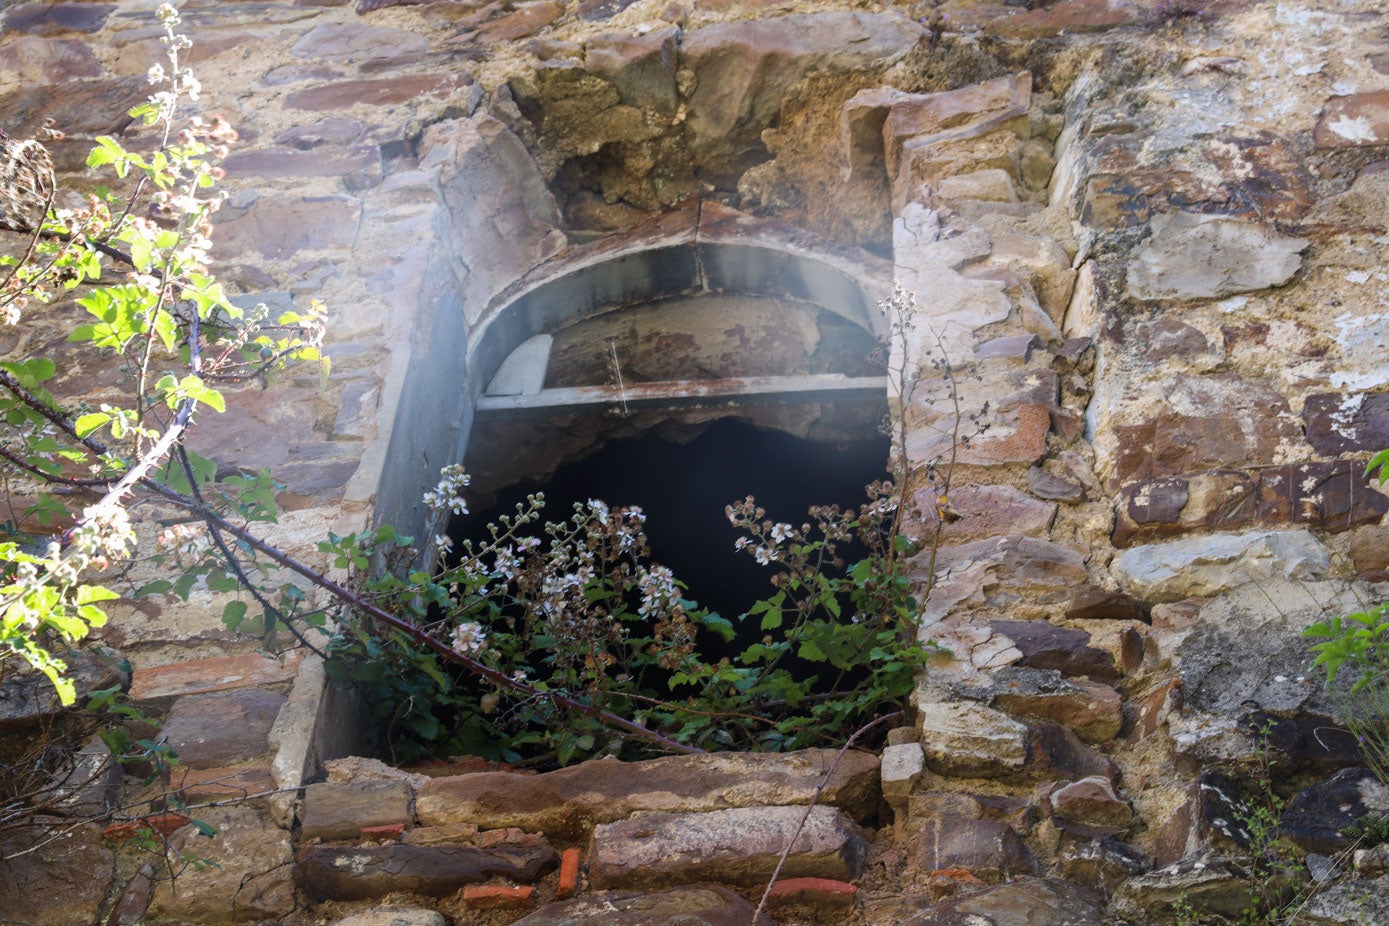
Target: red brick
x: 568, y: 873
x: 165, y: 823
x: 216, y: 674
x: 388, y: 831
x: 496, y: 896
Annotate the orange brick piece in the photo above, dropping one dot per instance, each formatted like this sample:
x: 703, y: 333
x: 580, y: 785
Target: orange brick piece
x: 165, y: 823
x: 568, y: 873
x: 388, y: 831
x: 496, y: 896
x: 821, y: 893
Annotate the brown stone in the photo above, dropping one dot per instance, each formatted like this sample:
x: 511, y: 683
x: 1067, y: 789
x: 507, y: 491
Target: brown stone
x: 743, y: 70
x: 364, y: 160
x: 1026, y: 577
x: 567, y: 802
x: 27, y: 697
x: 1168, y: 337
x: 218, y: 784
x: 1024, y: 902
x: 743, y: 845
x: 1044, y: 484
x: 988, y: 849
x: 823, y: 895
x: 1091, y: 801
x: 280, y: 226
x: 1354, y: 121
x: 1065, y: 16
x: 38, y: 60
x: 705, y: 905
x: 1093, y: 710
x: 527, y: 20
x: 357, y: 42
x: 1067, y: 650
x: 52, y: 18
x: 339, y: 810
x: 222, y: 728
x: 60, y: 883
x: 249, y: 878
x: 932, y: 119
x: 1330, y: 496
x: 330, y: 131
x: 1210, y: 421
x: 1059, y: 753
x: 381, y: 91
x: 219, y: 673
x: 448, y: 834
x: 1338, y: 423
x: 1091, y: 603
x: 1369, y: 551
x: 129, y: 908
x: 990, y: 510
x: 641, y: 67
x: 366, y: 872
x: 1155, y: 707
x: 84, y: 110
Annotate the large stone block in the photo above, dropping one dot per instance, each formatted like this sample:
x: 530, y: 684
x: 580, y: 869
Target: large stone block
x: 738, y: 846
x: 571, y: 800
x: 1197, y: 256
x: 250, y: 878
x: 1203, y: 566
x: 339, y: 810
x: 1354, y: 121
x: 966, y: 739
x: 334, y: 873
x: 222, y: 728
x: 62, y: 882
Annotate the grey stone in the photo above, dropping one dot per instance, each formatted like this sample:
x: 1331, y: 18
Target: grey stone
x: 28, y: 697
x: 737, y: 846
x: 1351, y: 903
x: 902, y: 766
x: 339, y: 810
x: 706, y: 905
x: 223, y: 728
x: 1201, y: 566
x: 1197, y: 256
x: 1208, y: 884
x: 1024, y: 902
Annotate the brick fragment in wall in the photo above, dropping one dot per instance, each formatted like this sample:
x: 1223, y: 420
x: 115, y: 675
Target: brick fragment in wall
x: 365, y: 872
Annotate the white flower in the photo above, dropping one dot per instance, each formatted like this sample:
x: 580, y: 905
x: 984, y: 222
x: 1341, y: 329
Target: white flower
x: 443, y: 542
x: 156, y: 74
x: 468, y: 638
x: 780, y: 532
x: 764, y: 555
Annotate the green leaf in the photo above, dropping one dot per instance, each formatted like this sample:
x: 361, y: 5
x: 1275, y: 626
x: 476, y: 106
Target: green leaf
x: 233, y: 613
x: 88, y: 424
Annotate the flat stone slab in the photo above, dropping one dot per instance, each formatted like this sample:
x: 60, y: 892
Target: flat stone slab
x: 339, y: 809
x: 705, y: 905
x: 570, y: 801
x: 737, y: 846
x: 1194, y: 256
x: 249, y: 878
x: 222, y: 728
x: 338, y: 873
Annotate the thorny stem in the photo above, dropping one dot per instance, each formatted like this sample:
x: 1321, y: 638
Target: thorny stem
x: 814, y: 800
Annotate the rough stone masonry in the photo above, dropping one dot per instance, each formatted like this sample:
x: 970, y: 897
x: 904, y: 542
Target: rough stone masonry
x: 1159, y: 229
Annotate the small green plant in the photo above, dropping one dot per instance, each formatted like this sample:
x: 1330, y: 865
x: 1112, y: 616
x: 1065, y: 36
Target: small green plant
x: 1353, y: 655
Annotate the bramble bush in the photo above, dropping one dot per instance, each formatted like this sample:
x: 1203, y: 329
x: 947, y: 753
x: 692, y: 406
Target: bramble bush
x: 557, y: 639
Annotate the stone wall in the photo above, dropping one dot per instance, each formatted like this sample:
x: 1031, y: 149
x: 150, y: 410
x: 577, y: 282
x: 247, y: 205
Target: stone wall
x: 1155, y: 231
